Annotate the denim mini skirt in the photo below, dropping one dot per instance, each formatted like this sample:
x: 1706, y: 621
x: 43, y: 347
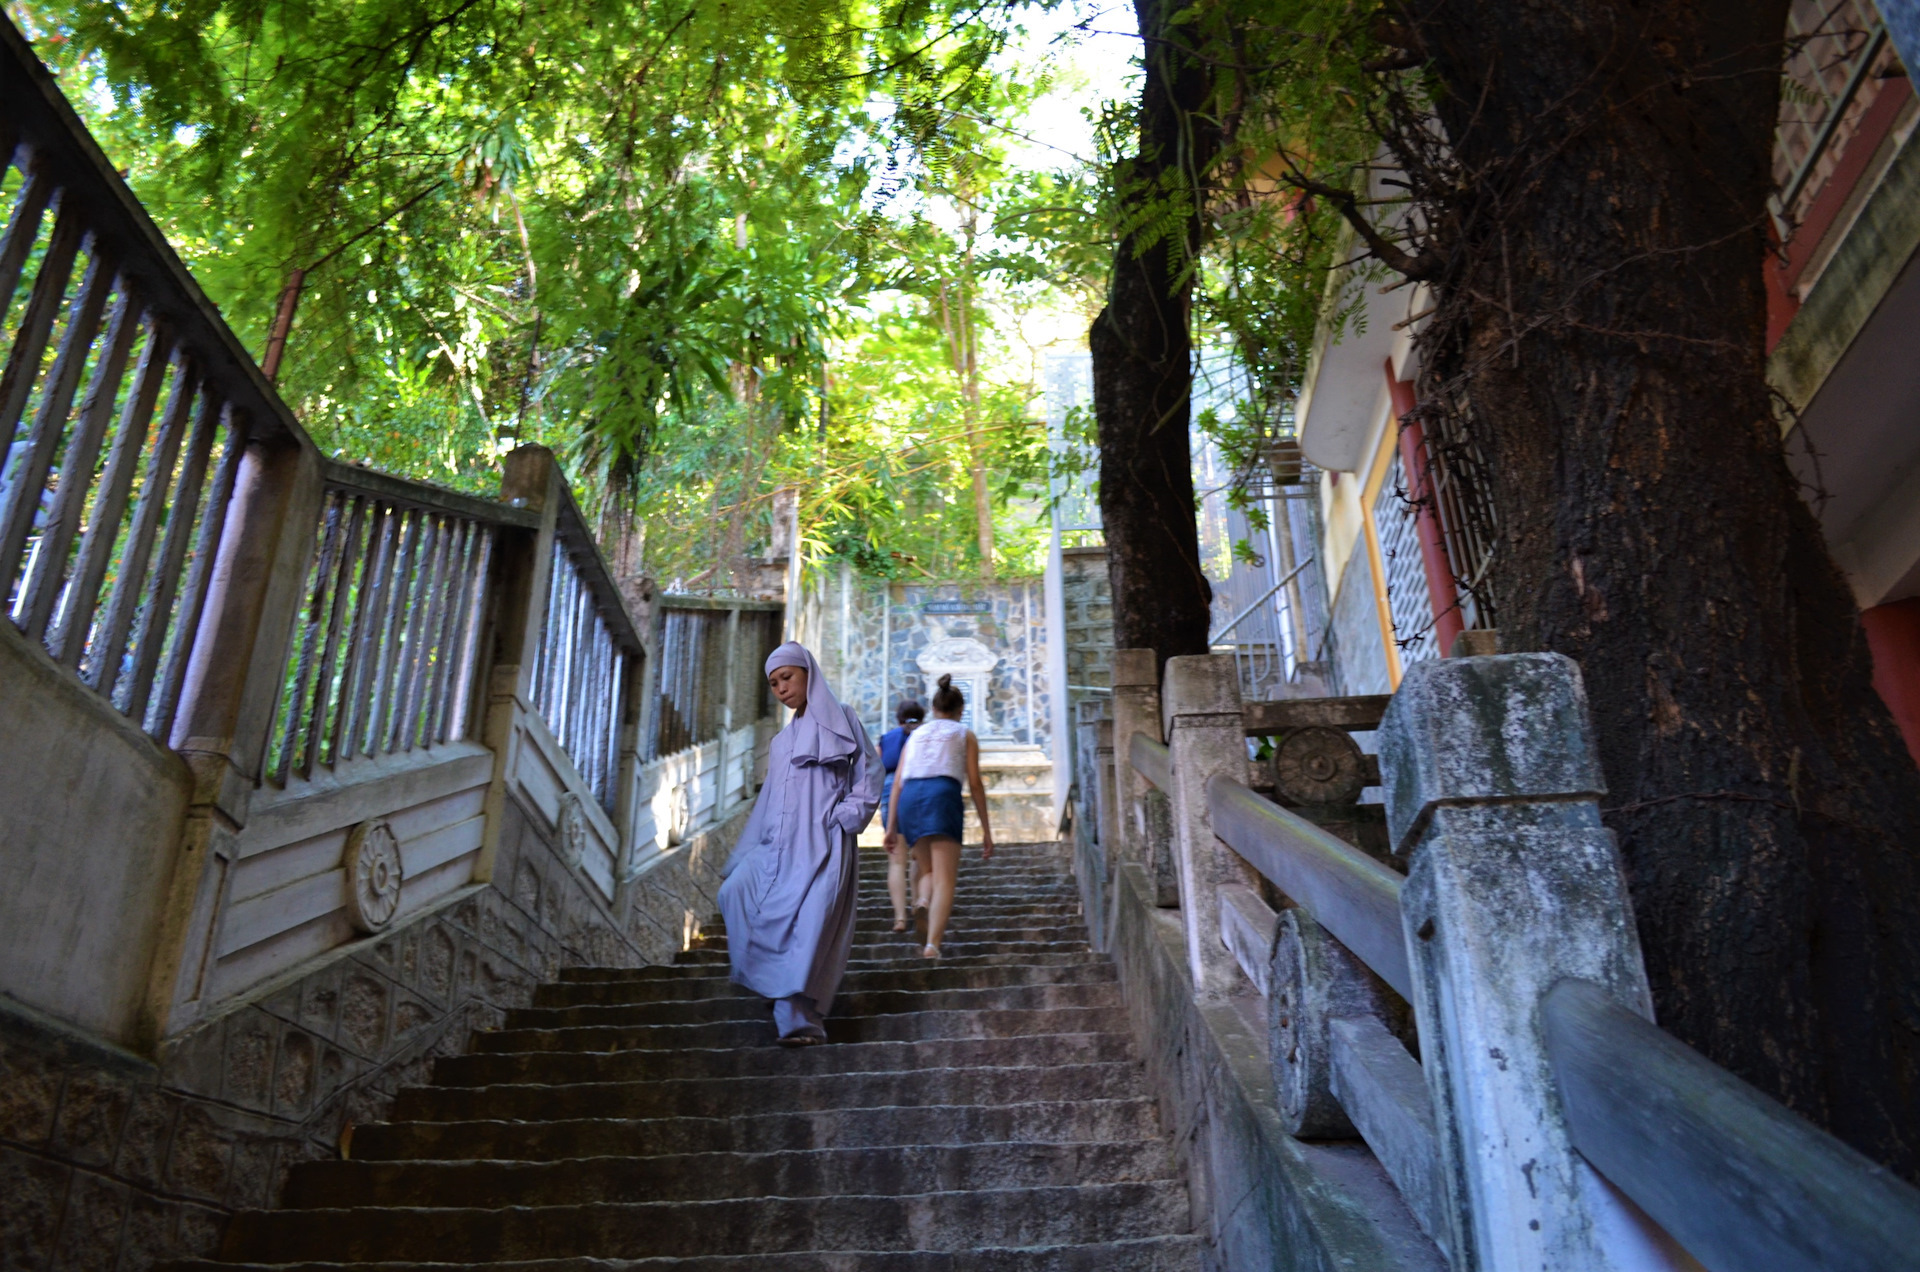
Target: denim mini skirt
x: 931, y: 806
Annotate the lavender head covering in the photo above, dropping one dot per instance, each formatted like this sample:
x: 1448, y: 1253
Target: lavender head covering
x: 823, y: 734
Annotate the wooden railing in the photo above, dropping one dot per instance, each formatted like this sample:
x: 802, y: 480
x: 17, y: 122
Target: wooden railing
x: 1501, y: 944
x: 386, y: 652
x: 125, y: 404
x: 349, y: 674
x: 586, y: 657
x: 710, y: 651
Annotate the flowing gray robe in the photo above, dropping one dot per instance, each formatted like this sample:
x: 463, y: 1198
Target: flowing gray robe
x: 790, y: 892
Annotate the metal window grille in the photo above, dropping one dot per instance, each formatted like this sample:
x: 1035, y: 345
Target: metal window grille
x: 1396, y: 519
x: 1838, y: 60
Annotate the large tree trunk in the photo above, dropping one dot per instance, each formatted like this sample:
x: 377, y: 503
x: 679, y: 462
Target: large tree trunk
x: 1600, y: 330
x: 1143, y: 367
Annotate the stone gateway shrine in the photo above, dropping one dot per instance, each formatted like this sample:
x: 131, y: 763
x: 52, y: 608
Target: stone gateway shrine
x: 881, y: 642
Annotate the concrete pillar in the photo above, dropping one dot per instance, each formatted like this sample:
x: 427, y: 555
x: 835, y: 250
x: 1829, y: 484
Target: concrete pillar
x: 1136, y: 709
x: 1492, y: 786
x: 1207, y: 735
x: 523, y: 565
x: 226, y: 709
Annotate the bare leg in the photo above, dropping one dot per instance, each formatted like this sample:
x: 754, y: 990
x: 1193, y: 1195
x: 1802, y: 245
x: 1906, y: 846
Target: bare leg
x: 897, y: 885
x: 946, y: 877
x: 922, y: 873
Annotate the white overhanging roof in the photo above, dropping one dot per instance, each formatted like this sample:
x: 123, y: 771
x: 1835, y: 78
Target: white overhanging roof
x: 1339, y: 408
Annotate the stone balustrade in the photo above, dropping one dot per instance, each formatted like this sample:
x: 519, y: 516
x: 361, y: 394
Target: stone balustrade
x: 1452, y: 991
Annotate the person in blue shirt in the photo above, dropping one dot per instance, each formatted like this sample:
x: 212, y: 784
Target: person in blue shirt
x: 907, y: 717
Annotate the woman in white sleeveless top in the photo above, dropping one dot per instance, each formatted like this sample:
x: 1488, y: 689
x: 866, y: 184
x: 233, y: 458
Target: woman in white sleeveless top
x: 925, y: 810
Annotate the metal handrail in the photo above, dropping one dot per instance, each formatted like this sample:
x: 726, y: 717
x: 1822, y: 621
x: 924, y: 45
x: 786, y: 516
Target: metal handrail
x: 1349, y: 893
x: 1734, y: 1176
x: 1151, y: 760
x: 1236, y: 620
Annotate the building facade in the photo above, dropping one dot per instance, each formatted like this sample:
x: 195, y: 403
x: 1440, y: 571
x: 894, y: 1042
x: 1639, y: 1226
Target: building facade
x: 1406, y: 531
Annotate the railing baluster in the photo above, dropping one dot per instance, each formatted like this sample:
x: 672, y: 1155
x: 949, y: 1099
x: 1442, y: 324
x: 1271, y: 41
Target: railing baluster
x: 458, y: 723
x: 576, y: 688
x: 69, y: 639
x: 401, y: 589
x: 43, y: 586
x: 36, y: 325
x: 199, y: 578
x: 24, y: 484
x: 23, y: 228
x: 460, y: 639
x: 111, y: 657
x: 420, y: 632
x: 406, y: 674
x: 357, y: 693
x: 341, y: 585
x: 596, y: 719
x: 556, y: 697
x: 157, y: 613
x: 447, y: 603
x: 310, y: 637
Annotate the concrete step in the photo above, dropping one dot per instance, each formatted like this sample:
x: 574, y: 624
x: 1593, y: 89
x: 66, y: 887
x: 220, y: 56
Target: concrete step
x: 735, y: 1097
x: 714, y: 1176
x: 982, y: 1113
x: 742, y: 1005
x: 960, y: 930
x: 997, y: 892
x: 561, y: 1067
x: 908, y: 1026
x: 1053, y: 1122
x: 894, y: 947
x: 888, y: 951
x: 999, y: 916
x: 920, y: 974
x: 1066, y: 956
x: 1145, y: 1254
x: 927, y: 1221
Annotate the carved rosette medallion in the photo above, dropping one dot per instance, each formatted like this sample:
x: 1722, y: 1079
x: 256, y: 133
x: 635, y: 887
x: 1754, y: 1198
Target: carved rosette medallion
x: 573, y: 831
x: 373, y: 875
x: 1319, y: 766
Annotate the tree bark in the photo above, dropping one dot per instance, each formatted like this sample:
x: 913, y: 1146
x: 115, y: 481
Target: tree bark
x: 1142, y: 350
x: 1600, y: 330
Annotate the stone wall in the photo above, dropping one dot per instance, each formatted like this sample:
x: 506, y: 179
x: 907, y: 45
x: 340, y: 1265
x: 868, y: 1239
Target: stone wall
x: 110, y: 1162
x: 1358, y: 657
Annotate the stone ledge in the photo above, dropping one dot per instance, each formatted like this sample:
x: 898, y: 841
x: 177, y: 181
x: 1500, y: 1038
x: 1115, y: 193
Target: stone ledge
x: 1267, y: 1200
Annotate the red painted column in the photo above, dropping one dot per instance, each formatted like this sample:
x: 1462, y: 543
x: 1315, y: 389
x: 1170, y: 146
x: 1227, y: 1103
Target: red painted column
x: 1448, y: 622
x: 1893, y: 635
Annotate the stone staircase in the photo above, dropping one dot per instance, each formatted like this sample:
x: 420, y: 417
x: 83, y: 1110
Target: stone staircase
x: 981, y: 1114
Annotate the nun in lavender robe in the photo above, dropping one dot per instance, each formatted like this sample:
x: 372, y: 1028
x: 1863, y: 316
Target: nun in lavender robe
x: 790, y: 889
